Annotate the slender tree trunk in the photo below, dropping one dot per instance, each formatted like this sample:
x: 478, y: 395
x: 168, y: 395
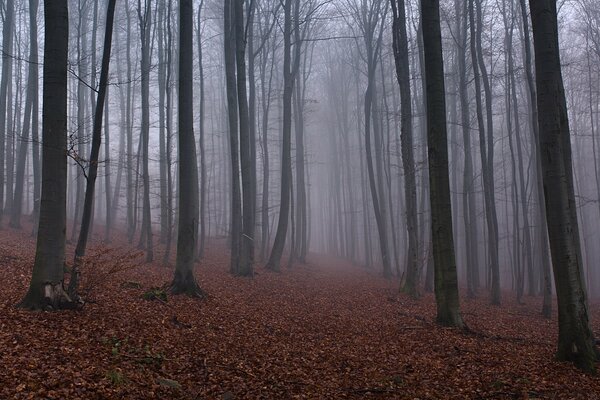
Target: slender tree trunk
x: 486, y: 153
x: 35, y: 145
x: 145, y: 21
x: 266, y: 105
x: 543, y: 229
x: 400, y: 44
x: 31, y: 97
x: 446, y: 283
x: 203, y: 185
x: 7, y: 36
x: 187, y: 236
x: 46, y: 286
x: 162, y: 65
x: 247, y: 159
x: 92, y: 172
x: 286, y: 162
x: 107, y: 163
x: 232, y: 105
x: 469, y: 204
x: 168, y: 134
x: 129, y: 129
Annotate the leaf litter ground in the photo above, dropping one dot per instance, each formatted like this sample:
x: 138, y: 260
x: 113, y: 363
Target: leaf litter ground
x: 325, y: 330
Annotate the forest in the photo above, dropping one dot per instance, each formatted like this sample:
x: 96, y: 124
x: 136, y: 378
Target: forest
x: 299, y: 199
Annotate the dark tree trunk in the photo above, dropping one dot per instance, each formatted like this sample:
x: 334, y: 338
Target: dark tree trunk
x: 203, y: 187
x: 35, y: 145
x: 107, y: 184
x: 145, y: 22
x: 286, y: 158
x: 162, y: 71
x: 247, y: 159
x: 130, y: 169
x: 486, y: 152
x: 187, y: 236
x: 30, y: 99
x: 7, y: 36
x: 446, y: 283
x: 543, y: 229
x: 469, y: 205
x: 168, y: 134
x: 46, y: 287
x: 232, y: 105
x: 400, y: 43
x: 92, y: 172
x: 575, y: 339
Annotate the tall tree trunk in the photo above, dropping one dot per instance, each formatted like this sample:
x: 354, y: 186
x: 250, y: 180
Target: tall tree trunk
x: 400, y: 43
x: 80, y: 128
x: 286, y: 158
x: 7, y: 36
x: 446, y: 282
x: 46, y: 286
x: 486, y: 153
x: 247, y: 159
x: 162, y: 66
x: 145, y: 21
x: 92, y: 172
x: 521, y: 168
x: 232, y: 105
x: 107, y: 184
x: 266, y: 89
x: 130, y: 169
x: 469, y: 204
x: 201, y: 116
x: 543, y: 228
x: 35, y: 147
x: 168, y: 134
x: 187, y: 236
x: 30, y: 99
x: 575, y: 339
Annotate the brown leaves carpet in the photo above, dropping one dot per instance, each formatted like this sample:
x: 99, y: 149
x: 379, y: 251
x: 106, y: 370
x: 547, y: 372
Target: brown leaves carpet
x: 326, y: 330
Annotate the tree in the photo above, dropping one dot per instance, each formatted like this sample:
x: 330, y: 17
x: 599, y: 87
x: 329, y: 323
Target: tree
x: 29, y: 119
x: 370, y: 19
x: 46, y: 285
x: 201, y: 139
x: 145, y: 21
x: 290, y: 68
x: 86, y: 217
x: 446, y: 285
x: 575, y: 339
x: 232, y: 105
x: 543, y: 229
x: 187, y: 235
x: 7, y: 36
x: 487, y: 154
x: 400, y: 43
x: 468, y: 200
x: 247, y: 157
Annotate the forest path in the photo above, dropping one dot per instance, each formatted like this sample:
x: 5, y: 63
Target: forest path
x: 325, y: 330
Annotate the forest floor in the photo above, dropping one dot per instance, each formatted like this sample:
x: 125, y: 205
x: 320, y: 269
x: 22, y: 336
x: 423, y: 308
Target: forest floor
x: 325, y: 330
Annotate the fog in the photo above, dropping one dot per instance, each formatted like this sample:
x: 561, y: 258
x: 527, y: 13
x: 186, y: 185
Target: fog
x: 337, y: 42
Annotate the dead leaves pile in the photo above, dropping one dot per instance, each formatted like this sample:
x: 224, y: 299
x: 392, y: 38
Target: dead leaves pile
x: 326, y: 330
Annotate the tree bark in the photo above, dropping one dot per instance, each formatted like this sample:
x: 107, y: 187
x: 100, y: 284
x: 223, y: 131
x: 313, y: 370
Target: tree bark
x: 46, y: 286
x: 145, y: 22
x: 30, y: 98
x: 187, y: 236
x: 400, y: 45
x: 575, y: 339
x: 446, y: 283
x: 286, y: 158
x: 92, y: 172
